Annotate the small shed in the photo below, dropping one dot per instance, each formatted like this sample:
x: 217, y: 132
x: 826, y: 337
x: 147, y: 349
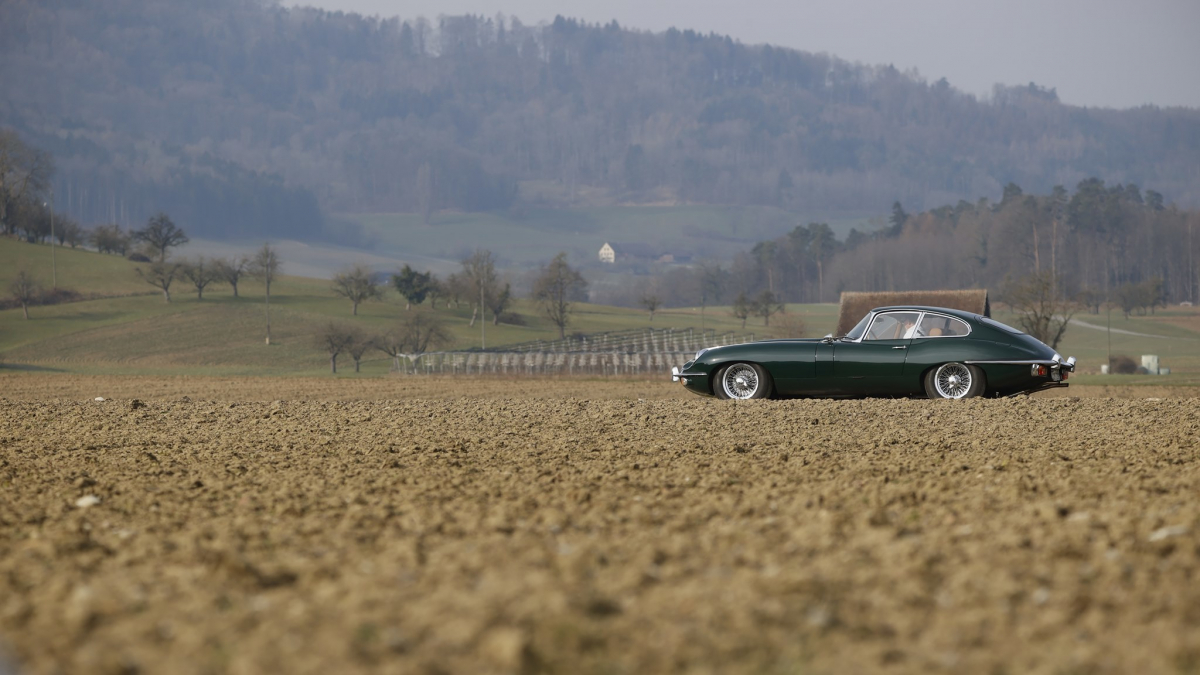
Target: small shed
x: 855, y: 305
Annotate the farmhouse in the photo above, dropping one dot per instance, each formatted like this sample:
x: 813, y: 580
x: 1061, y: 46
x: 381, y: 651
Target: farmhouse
x: 607, y: 254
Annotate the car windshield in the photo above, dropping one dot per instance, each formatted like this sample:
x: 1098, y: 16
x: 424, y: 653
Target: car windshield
x: 856, y: 332
x: 1002, y: 326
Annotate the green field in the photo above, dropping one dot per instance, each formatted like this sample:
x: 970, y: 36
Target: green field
x: 536, y: 235
x: 224, y: 335
x: 134, y: 331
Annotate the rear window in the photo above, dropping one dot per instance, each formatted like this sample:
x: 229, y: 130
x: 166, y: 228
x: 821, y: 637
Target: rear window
x: 940, y: 325
x: 1002, y: 326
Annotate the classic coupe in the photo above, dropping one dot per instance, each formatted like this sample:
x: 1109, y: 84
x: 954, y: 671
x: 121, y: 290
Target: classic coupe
x: 893, y: 351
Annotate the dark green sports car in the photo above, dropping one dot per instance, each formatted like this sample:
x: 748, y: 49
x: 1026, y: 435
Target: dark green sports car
x: 893, y: 351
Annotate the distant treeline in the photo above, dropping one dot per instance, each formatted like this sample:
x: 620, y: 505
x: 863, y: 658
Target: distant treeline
x: 153, y: 104
x: 1103, y: 242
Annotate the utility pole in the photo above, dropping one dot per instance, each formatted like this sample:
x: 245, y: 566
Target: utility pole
x: 482, y: 316
x: 53, y: 262
x: 1109, y: 306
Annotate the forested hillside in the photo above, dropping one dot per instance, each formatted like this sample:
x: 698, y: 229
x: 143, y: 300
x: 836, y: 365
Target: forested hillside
x: 1100, y: 243
x: 242, y: 116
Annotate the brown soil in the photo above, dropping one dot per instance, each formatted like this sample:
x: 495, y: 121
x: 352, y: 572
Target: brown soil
x: 41, y: 386
x: 599, y: 536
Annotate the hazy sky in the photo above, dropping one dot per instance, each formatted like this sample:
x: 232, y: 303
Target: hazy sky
x: 1095, y: 52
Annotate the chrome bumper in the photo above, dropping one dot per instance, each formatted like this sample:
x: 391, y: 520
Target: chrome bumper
x: 1055, y: 368
x: 677, y: 374
x: 1057, y: 362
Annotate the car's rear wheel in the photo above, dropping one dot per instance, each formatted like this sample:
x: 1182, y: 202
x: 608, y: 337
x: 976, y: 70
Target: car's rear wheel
x: 742, y: 381
x: 955, y: 380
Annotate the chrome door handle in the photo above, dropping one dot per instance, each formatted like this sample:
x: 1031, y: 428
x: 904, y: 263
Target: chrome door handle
x: 901, y: 347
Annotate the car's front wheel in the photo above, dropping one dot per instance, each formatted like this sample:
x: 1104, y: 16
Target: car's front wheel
x: 742, y: 381
x: 955, y: 380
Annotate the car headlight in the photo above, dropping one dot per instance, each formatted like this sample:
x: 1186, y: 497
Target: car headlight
x: 699, y: 354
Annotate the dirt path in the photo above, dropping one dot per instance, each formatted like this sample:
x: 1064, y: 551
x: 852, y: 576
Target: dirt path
x: 600, y: 536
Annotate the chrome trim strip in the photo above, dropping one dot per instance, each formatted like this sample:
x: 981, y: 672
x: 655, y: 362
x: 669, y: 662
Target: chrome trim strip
x: 1042, y: 362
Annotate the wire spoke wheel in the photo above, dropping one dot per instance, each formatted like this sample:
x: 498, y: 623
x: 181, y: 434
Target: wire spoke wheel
x: 953, y: 380
x: 740, y: 381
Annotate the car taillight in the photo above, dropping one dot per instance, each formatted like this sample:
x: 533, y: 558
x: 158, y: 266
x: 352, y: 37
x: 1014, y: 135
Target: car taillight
x: 1038, y: 370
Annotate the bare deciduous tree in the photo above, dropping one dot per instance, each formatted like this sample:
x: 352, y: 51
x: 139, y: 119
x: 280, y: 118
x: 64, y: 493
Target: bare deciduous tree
x: 357, y: 285
x: 160, y: 235
x: 500, y: 301
x: 334, y: 338
x: 557, y: 286
x: 110, y: 239
x: 1039, y: 312
x: 160, y: 275
x: 70, y: 233
x: 416, y: 334
x: 231, y: 270
x: 359, y: 344
x: 651, y: 302
x: 200, y: 272
x: 392, y: 344
x: 766, y: 305
x: 25, y: 290
x: 424, y: 331
x: 454, y: 288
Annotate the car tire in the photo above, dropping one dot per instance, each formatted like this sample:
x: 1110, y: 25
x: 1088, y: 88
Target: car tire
x: 955, y: 381
x: 742, y: 381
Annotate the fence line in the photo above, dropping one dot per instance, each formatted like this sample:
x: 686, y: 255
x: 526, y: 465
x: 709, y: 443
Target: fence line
x: 628, y: 352
x: 632, y: 341
x: 543, y: 363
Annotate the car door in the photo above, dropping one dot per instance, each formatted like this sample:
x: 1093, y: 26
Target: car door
x: 875, y: 364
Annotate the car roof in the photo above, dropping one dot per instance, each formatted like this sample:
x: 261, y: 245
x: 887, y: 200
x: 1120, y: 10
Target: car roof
x: 924, y: 308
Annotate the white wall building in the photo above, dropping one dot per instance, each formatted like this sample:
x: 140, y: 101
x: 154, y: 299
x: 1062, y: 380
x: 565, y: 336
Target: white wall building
x: 607, y: 254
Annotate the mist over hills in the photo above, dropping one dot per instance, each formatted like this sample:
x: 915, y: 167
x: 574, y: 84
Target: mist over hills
x: 246, y: 118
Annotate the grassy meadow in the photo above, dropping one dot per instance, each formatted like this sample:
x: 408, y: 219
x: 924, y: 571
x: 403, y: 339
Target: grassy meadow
x: 126, y: 327
x: 223, y: 335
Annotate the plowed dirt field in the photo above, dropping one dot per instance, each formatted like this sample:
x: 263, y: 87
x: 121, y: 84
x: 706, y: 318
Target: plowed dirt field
x: 562, y: 534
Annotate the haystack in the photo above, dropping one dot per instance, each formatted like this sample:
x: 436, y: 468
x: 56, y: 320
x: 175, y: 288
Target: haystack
x: 856, y: 305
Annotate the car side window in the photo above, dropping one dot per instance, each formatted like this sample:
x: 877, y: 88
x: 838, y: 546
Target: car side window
x: 939, y: 325
x: 893, y: 326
